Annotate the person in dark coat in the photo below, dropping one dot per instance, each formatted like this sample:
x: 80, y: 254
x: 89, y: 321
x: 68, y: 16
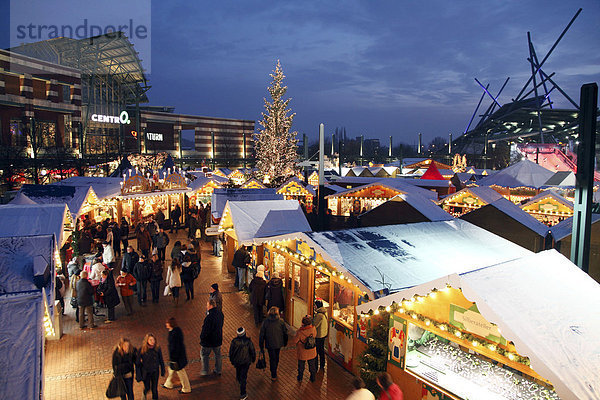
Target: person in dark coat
x: 142, y: 272
x: 241, y: 261
x: 109, y: 291
x: 149, y: 362
x: 85, y: 300
x: 116, y: 238
x: 159, y: 217
x: 129, y: 260
x: 175, y: 215
x: 192, y: 226
x: 85, y: 242
x: 257, y: 295
x: 211, y: 337
x: 273, y: 336
x: 274, y: 293
x: 124, y: 234
x: 187, y: 276
x: 176, y: 251
x: 177, y: 357
x: 156, y: 277
x: 123, y: 363
x: 162, y: 241
x: 144, y: 241
x: 242, y: 354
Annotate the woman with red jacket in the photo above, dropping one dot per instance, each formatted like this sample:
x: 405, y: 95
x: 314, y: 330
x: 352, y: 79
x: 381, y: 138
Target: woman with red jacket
x: 389, y: 390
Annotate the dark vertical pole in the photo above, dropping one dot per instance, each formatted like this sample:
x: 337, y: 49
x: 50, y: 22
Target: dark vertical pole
x: 582, y: 212
x: 244, y: 150
x: 212, y: 139
x: 305, y: 143
x: 137, y: 121
x: 321, y: 204
x: 361, y: 149
x: 390, y: 151
x: 340, y: 144
x: 419, y: 148
x: 485, y: 146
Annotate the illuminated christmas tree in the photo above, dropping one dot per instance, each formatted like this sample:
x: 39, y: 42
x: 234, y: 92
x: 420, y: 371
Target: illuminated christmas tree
x: 275, y: 145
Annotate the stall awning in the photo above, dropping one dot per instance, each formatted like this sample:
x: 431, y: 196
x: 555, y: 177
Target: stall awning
x: 543, y: 303
x: 525, y: 173
x: 154, y: 194
x: 254, y: 220
x: 35, y: 219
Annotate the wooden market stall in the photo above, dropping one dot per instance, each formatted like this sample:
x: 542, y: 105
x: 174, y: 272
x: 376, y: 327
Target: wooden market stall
x: 348, y: 267
x: 202, y: 189
x: 549, y: 207
x: 500, y: 332
x: 366, y: 197
x: 295, y: 189
x: 468, y: 199
x: 252, y: 183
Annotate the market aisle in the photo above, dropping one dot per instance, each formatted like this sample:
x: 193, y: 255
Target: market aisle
x: 79, y: 365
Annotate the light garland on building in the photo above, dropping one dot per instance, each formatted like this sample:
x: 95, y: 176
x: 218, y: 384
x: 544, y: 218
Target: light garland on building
x: 48, y: 327
x: 473, y: 340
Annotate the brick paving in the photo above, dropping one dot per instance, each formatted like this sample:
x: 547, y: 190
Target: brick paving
x: 79, y: 364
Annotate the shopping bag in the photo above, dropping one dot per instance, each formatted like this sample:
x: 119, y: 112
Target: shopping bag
x: 167, y: 291
x: 116, y: 387
x: 261, y: 363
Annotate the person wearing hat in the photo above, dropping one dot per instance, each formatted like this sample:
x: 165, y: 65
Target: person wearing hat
x: 257, y: 294
x: 216, y: 296
x: 242, y: 354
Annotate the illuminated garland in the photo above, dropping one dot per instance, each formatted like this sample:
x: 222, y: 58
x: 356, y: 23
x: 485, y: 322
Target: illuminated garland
x: 472, y: 339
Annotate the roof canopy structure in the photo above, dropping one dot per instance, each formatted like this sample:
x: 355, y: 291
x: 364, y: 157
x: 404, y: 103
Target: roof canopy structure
x: 525, y: 173
x: 532, y: 301
x: 432, y: 173
x: 37, y: 219
x: 387, y: 213
x: 220, y: 197
x: 472, y: 196
x: 395, y: 257
x: 387, y: 188
x: 253, y: 221
x: 548, y: 201
x: 79, y: 199
x: 295, y: 187
x: 104, y: 188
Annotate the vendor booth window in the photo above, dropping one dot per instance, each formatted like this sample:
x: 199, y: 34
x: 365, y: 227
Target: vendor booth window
x: 279, y: 265
x: 322, y: 285
x: 445, y: 364
x: 300, y: 282
x: 343, y: 303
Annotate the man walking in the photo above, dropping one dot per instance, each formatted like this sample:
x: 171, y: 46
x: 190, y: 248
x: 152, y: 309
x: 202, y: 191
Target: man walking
x: 257, y: 294
x: 241, y: 260
x: 157, y: 276
x: 175, y: 215
x: 129, y: 260
x: 322, y: 326
x: 216, y: 296
x: 144, y: 241
x: 177, y: 357
x: 162, y: 241
x: 242, y: 354
x: 211, y: 337
x: 85, y: 300
x: 142, y: 273
x: 273, y: 336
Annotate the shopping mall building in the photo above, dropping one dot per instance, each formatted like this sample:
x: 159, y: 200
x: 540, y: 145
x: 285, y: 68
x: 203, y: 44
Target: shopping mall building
x: 66, y: 102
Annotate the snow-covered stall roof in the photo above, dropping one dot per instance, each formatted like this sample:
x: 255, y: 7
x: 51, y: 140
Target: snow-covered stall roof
x: 561, y: 179
x: 298, y: 182
x: 542, y: 303
x: 105, y: 188
x: 565, y: 227
x: 74, y: 197
x: 524, y: 173
x: 515, y: 212
x: 425, y: 206
x: 21, y: 199
x: 201, y: 181
x: 254, y: 220
x: 484, y: 193
x: 220, y: 197
x: 34, y: 219
x: 411, y: 254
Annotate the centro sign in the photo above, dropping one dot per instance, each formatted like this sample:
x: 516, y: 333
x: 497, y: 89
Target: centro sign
x: 155, y: 137
x: 123, y: 118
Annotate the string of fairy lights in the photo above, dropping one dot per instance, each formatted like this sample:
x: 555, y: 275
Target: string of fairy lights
x: 475, y: 341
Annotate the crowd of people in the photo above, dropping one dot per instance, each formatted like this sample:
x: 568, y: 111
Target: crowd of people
x: 146, y: 264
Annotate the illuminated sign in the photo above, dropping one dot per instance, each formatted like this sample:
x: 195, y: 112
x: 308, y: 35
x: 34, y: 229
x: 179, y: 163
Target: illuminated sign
x: 123, y: 118
x: 155, y: 137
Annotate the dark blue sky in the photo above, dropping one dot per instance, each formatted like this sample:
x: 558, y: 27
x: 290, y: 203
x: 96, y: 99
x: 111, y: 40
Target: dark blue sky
x: 379, y: 68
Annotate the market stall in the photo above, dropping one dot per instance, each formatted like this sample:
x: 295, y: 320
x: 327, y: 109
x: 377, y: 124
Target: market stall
x: 468, y: 199
x: 347, y: 267
x: 295, y: 189
x: 252, y: 183
x: 36, y: 219
x: 366, y: 197
x: 549, y: 207
x: 506, y: 331
x: 201, y: 189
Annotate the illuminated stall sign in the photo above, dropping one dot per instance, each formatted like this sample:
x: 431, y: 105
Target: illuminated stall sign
x: 472, y: 321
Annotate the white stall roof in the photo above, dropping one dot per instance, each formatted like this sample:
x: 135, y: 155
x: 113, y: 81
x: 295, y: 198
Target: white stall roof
x: 401, y: 256
x: 34, y: 219
x: 253, y: 220
x: 104, y: 187
x: 220, y: 197
x: 73, y: 196
x: 484, y: 193
x: 524, y: 173
x: 425, y: 206
x: 395, y: 184
x: 549, y: 193
x: 543, y: 303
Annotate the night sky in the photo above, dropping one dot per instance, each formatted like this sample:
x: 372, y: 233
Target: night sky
x: 378, y: 68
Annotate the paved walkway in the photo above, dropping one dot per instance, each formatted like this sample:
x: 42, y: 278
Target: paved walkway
x: 79, y: 364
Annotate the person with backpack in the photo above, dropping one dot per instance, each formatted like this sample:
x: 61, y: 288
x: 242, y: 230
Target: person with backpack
x: 142, y: 273
x: 306, y: 348
x: 157, y: 276
x: 273, y: 336
x: 242, y: 354
x: 322, y: 326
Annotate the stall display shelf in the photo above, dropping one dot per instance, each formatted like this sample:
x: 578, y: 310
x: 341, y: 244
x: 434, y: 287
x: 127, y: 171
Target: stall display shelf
x: 470, y: 377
